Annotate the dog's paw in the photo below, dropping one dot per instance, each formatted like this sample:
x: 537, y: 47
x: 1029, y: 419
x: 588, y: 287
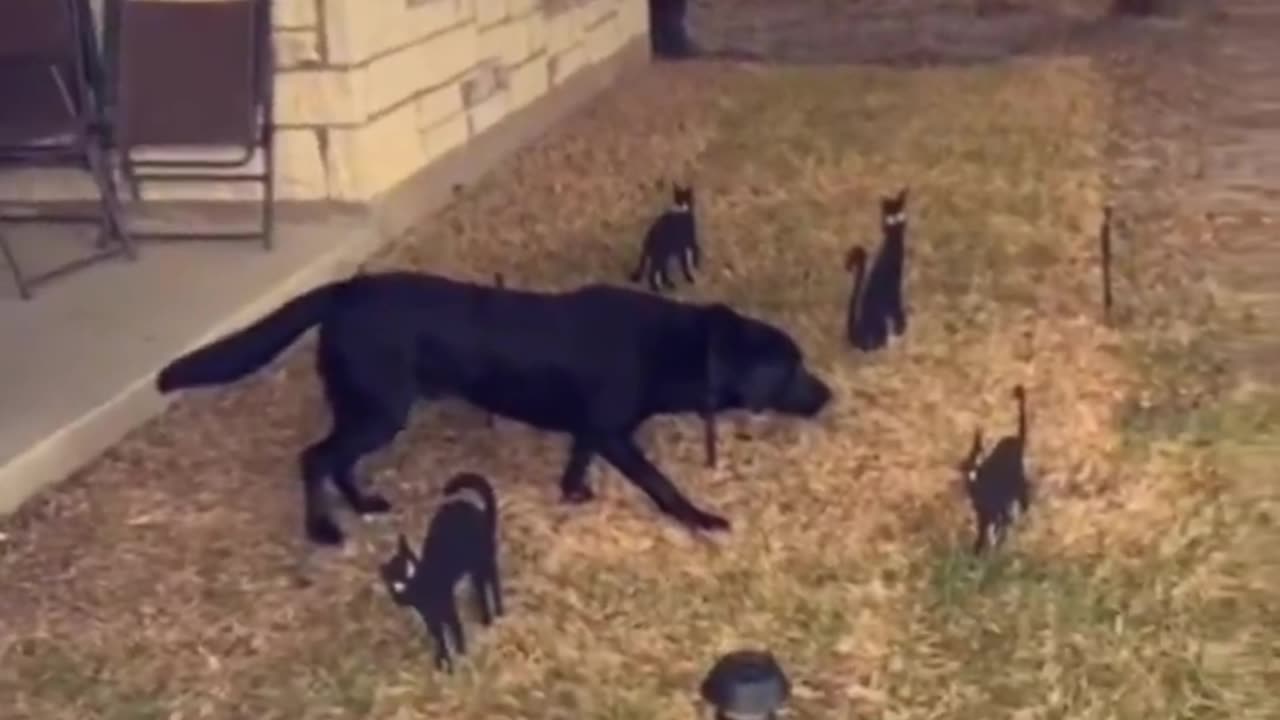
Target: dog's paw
x: 324, y: 531
x: 707, y: 522
x: 373, y: 504
x: 577, y: 495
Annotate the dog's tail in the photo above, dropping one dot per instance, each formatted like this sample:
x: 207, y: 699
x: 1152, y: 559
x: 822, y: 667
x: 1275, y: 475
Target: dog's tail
x: 481, y: 487
x: 240, y: 353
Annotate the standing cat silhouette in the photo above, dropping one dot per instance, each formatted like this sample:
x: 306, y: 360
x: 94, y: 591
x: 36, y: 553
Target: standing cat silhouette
x: 998, y: 482
x: 876, y: 307
x: 673, y: 237
x: 461, y: 541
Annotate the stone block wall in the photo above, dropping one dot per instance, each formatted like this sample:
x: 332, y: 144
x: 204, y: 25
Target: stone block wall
x: 371, y: 91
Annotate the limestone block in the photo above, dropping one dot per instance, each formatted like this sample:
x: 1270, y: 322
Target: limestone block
x: 320, y: 97
x: 296, y: 48
x: 508, y: 40
x: 564, y: 64
x: 428, y: 64
x: 367, y: 161
x: 634, y: 16
x: 489, y: 12
x: 527, y: 82
x: 563, y: 31
x: 535, y: 25
x: 360, y: 29
x: 446, y: 136
x: 435, y: 106
x: 300, y: 169
x: 605, y: 39
x: 488, y: 112
x: 520, y: 8
x: 294, y: 13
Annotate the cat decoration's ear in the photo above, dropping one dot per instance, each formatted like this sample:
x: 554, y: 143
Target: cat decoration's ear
x: 402, y: 546
x: 902, y: 195
x: 970, y: 465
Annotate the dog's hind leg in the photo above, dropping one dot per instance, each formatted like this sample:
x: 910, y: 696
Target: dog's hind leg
x: 349, y: 444
x: 573, y: 483
x: 317, y: 464
x: 623, y: 453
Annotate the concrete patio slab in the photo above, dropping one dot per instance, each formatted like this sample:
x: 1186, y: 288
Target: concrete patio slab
x: 78, y: 360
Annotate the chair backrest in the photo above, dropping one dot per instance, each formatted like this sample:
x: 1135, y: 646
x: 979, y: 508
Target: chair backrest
x: 191, y: 73
x: 37, y: 30
x: 43, y: 74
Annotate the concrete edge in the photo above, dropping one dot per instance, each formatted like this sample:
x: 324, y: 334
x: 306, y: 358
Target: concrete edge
x: 79, y: 443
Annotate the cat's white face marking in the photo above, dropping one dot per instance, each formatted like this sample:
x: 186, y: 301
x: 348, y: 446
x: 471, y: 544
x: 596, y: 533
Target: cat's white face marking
x: 899, y: 218
x: 971, y: 476
x: 397, y: 586
x: 408, y: 570
x: 683, y: 207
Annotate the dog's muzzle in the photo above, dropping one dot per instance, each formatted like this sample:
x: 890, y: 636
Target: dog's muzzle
x: 804, y: 395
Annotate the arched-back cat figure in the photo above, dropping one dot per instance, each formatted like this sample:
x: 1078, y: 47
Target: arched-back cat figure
x: 876, y: 307
x: 673, y: 236
x: 998, y: 482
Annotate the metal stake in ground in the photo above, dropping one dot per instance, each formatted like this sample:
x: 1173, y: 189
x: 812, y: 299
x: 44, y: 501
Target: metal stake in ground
x: 1104, y: 239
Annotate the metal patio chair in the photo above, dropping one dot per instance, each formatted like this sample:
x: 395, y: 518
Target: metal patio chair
x: 50, y: 116
x: 193, y: 76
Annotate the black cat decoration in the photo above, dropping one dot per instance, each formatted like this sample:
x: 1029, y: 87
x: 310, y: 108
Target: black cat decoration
x: 997, y: 483
x: 461, y: 541
x: 876, y: 307
x: 673, y: 237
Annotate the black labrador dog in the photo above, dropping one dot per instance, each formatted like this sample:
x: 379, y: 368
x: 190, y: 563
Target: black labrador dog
x: 595, y: 363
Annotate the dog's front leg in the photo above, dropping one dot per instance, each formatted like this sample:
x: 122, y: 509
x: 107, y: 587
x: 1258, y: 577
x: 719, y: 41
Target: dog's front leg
x: 623, y: 453
x: 573, y: 483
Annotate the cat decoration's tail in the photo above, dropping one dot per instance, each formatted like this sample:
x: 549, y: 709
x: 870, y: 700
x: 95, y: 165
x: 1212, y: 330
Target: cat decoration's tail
x: 477, y: 484
x: 856, y: 262
x: 1020, y: 394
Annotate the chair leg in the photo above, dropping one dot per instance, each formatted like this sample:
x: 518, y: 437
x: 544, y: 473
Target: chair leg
x: 268, y: 197
x: 24, y: 290
x: 113, y: 212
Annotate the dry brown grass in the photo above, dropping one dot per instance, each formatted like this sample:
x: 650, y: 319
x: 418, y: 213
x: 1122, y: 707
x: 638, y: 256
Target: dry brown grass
x: 170, y: 581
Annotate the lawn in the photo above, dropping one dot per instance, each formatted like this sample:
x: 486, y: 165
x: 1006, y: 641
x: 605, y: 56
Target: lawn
x: 171, y: 580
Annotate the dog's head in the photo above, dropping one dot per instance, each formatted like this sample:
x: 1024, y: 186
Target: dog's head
x: 397, y: 571
x: 758, y: 367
